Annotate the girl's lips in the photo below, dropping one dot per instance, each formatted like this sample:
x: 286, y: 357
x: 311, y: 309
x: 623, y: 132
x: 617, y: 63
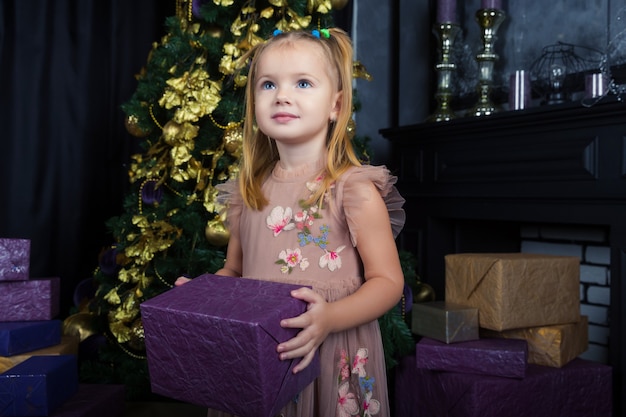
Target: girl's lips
x: 284, y: 117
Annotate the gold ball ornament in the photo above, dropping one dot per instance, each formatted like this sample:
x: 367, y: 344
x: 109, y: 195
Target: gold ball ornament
x: 171, y: 132
x: 423, y: 293
x: 339, y: 4
x: 81, y: 325
x: 137, y: 338
x: 132, y: 126
x: 215, y: 31
x: 233, y: 139
x: 216, y: 232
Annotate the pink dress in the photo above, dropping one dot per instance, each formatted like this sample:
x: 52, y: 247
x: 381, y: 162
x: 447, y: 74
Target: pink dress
x: 314, y: 246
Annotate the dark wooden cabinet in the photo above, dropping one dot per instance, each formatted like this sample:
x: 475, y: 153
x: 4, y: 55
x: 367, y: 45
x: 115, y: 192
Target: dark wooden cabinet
x: 471, y: 182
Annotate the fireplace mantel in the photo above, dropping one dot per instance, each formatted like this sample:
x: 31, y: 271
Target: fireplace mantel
x: 470, y: 182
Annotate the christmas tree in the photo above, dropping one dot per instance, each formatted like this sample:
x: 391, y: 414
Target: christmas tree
x: 187, y: 113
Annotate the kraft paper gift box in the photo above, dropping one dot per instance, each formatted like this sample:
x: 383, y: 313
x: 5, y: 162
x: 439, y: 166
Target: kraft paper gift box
x: 67, y: 346
x: 515, y: 290
x: 446, y: 322
x: 21, y: 337
x: 497, y: 357
x: 38, y: 386
x: 551, y: 345
x: 212, y: 342
x: 94, y: 400
x: 579, y: 389
x: 14, y: 259
x: 35, y: 299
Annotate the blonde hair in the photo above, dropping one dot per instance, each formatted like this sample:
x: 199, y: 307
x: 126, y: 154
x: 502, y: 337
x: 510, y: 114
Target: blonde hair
x: 259, y: 155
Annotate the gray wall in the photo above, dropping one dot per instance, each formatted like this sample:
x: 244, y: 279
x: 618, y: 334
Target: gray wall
x: 373, y: 37
x: 529, y: 26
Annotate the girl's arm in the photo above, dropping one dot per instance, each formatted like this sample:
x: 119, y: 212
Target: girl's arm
x: 384, y: 282
x: 232, y: 265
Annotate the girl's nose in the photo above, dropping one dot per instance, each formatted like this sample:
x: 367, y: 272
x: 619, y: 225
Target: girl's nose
x: 281, y: 96
x: 282, y: 99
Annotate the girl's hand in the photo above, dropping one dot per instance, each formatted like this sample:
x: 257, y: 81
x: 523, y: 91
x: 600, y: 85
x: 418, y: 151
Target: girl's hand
x: 315, y: 324
x: 181, y: 280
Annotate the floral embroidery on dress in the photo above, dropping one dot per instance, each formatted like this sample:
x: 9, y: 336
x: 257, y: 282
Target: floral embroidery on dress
x: 353, y: 394
x: 347, y: 404
x: 331, y: 259
x: 283, y: 219
x: 279, y: 220
x: 290, y: 258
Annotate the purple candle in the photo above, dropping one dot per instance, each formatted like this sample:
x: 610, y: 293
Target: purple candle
x: 491, y: 4
x: 446, y: 11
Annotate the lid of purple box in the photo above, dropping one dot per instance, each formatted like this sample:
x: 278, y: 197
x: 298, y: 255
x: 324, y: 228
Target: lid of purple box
x: 250, y: 301
x: 492, y: 344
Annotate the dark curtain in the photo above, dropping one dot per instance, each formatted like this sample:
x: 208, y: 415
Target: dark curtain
x: 66, y: 66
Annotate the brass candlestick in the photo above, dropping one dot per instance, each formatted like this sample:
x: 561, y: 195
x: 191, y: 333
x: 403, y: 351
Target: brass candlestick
x: 446, y: 33
x: 489, y: 21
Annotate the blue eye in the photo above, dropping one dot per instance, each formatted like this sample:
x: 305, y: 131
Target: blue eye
x: 304, y: 84
x: 267, y: 85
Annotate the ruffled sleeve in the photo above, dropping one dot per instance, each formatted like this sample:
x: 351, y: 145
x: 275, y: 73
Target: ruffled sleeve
x: 230, y: 198
x: 353, y: 192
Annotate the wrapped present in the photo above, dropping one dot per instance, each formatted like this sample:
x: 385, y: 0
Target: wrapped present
x: 212, y: 342
x: 94, y: 400
x: 38, y: 386
x: 515, y: 290
x: 20, y: 337
x: 579, y: 389
x: 14, y: 259
x: 551, y: 345
x: 496, y: 357
x: 35, y: 299
x: 443, y: 321
x: 67, y: 346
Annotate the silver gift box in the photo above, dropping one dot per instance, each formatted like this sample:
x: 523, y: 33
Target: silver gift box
x: 446, y: 322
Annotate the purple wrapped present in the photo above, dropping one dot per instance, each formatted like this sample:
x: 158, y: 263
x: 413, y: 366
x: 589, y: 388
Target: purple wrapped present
x: 25, y: 336
x: 35, y: 299
x: 212, y: 342
x: 94, y: 400
x: 38, y: 386
x: 497, y: 357
x: 579, y: 389
x: 14, y: 259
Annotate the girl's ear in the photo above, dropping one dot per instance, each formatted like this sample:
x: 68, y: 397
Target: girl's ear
x: 334, y: 112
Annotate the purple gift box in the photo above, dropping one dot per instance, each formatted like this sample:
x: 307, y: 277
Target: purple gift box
x: 14, y: 259
x: 579, y: 389
x: 497, y: 357
x: 25, y: 336
x: 94, y: 400
x: 212, y: 342
x: 38, y: 386
x: 35, y: 299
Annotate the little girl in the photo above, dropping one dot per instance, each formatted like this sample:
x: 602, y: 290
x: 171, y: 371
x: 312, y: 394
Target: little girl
x: 304, y: 211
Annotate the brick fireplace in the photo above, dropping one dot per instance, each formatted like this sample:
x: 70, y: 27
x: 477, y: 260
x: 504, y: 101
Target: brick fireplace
x: 507, y: 182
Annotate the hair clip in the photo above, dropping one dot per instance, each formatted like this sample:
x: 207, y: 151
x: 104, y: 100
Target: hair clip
x: 317, y: 33
x: 322, y: 32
